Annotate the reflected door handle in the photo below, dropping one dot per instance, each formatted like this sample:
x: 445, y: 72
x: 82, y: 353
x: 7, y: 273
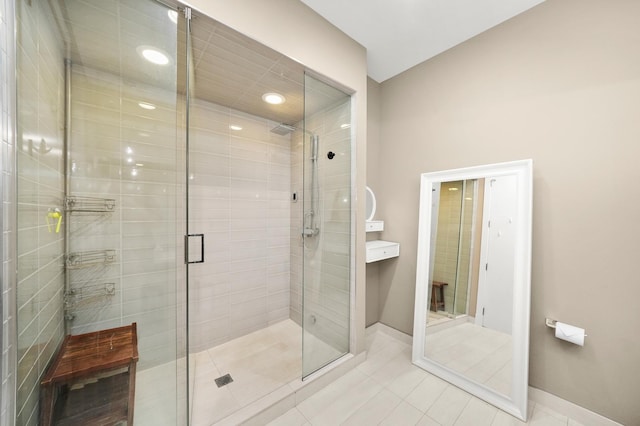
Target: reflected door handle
x: 187, y: 240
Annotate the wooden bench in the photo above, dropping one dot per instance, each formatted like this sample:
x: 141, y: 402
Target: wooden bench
x: 437, y: 296
x: 92, y: 379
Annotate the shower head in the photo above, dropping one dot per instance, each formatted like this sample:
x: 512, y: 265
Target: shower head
x: 283, y: 129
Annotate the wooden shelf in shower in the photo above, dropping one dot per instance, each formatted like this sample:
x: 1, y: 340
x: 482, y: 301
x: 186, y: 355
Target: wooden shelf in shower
x: 92, y: 379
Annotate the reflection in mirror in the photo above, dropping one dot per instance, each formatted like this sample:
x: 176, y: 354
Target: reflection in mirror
x: 455, y: 267
x: 473, y: 275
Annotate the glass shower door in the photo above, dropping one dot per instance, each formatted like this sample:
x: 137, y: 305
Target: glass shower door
x: 326, y: 227
x: 99, y: 190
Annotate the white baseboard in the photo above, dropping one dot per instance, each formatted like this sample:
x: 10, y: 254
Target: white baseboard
x: 569, y: 409
x: 404, y: 338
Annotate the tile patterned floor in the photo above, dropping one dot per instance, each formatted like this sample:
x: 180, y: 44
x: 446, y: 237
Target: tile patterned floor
x: 436, y: 318
x: 387, y: 389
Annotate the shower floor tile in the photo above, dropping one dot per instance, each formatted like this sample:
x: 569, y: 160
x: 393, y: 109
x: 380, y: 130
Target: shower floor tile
x: 259, y: 363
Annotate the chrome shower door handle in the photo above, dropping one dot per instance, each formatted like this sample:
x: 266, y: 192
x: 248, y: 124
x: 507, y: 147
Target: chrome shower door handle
x: 187, y: 241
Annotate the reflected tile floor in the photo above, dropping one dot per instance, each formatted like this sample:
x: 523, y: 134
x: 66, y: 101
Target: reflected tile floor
x: 480, y: 353
x: 387, y: 389
x: 436, y: 318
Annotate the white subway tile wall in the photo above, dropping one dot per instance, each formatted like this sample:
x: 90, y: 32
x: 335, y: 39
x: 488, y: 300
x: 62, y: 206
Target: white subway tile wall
x: 239, y: 183
x: 7, y: 180
x: 296, y: 239
x: 40, y: 249
x: 239, y: 198
x: 129, y: 154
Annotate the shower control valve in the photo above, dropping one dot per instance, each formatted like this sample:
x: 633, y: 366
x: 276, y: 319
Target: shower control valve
x: 309, y: 232
x: 330, y: 155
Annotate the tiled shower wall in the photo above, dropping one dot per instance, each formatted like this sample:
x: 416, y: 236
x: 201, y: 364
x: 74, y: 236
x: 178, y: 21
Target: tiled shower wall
x: 295, y: 232
x: 128, y: 154
x: 7, y: 156
x: 40, y: 249
x: 453, y: 243
x: 326, y: 256
x: 239, y: 198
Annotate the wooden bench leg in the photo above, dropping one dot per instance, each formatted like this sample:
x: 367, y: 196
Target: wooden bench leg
x: 132, y: 391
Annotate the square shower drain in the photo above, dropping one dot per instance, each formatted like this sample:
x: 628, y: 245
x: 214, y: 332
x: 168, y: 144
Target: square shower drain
x: 224, y: 380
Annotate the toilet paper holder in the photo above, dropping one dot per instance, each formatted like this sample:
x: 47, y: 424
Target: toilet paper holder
x: 551, y: 323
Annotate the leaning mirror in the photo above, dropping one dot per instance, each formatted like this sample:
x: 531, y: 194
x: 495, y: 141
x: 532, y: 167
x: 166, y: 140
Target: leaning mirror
x: 473, y: 281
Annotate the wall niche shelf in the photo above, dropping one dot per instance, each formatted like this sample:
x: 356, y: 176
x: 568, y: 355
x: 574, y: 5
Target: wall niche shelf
x: 379, y: 250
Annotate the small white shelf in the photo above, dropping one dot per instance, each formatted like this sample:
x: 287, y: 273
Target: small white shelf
x: 380, y: 250
x: 375, y: 225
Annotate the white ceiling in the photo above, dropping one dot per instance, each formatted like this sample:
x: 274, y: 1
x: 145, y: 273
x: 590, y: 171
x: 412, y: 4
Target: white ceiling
x: 399, y: 34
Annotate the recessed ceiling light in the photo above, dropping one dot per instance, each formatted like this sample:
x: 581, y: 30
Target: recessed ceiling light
x: 140, y: 164
x: 173, y: 15
x: 235, y: 127
x: 146, y: 105
x: 273, y: 98
x: 153, y: 55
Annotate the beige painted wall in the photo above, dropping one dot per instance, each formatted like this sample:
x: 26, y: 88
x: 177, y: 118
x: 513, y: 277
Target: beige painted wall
x: 373, y: 175
x: 559, y: 84
x: 293, y: 29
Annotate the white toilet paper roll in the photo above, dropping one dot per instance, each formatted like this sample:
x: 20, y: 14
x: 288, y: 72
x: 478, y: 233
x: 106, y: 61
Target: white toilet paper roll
x: 570, y: 333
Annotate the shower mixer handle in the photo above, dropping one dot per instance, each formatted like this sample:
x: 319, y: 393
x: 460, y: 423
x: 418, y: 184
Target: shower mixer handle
x: 310, y: 232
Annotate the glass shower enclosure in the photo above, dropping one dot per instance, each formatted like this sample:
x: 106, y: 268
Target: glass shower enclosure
x: 154, y: 186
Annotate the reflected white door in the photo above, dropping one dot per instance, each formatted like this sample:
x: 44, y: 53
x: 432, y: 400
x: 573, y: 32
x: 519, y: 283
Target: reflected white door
x: 495, y: 292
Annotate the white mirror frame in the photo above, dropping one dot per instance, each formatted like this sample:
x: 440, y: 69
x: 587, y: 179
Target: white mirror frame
x: 516, y: 404
x: 371, y: 197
